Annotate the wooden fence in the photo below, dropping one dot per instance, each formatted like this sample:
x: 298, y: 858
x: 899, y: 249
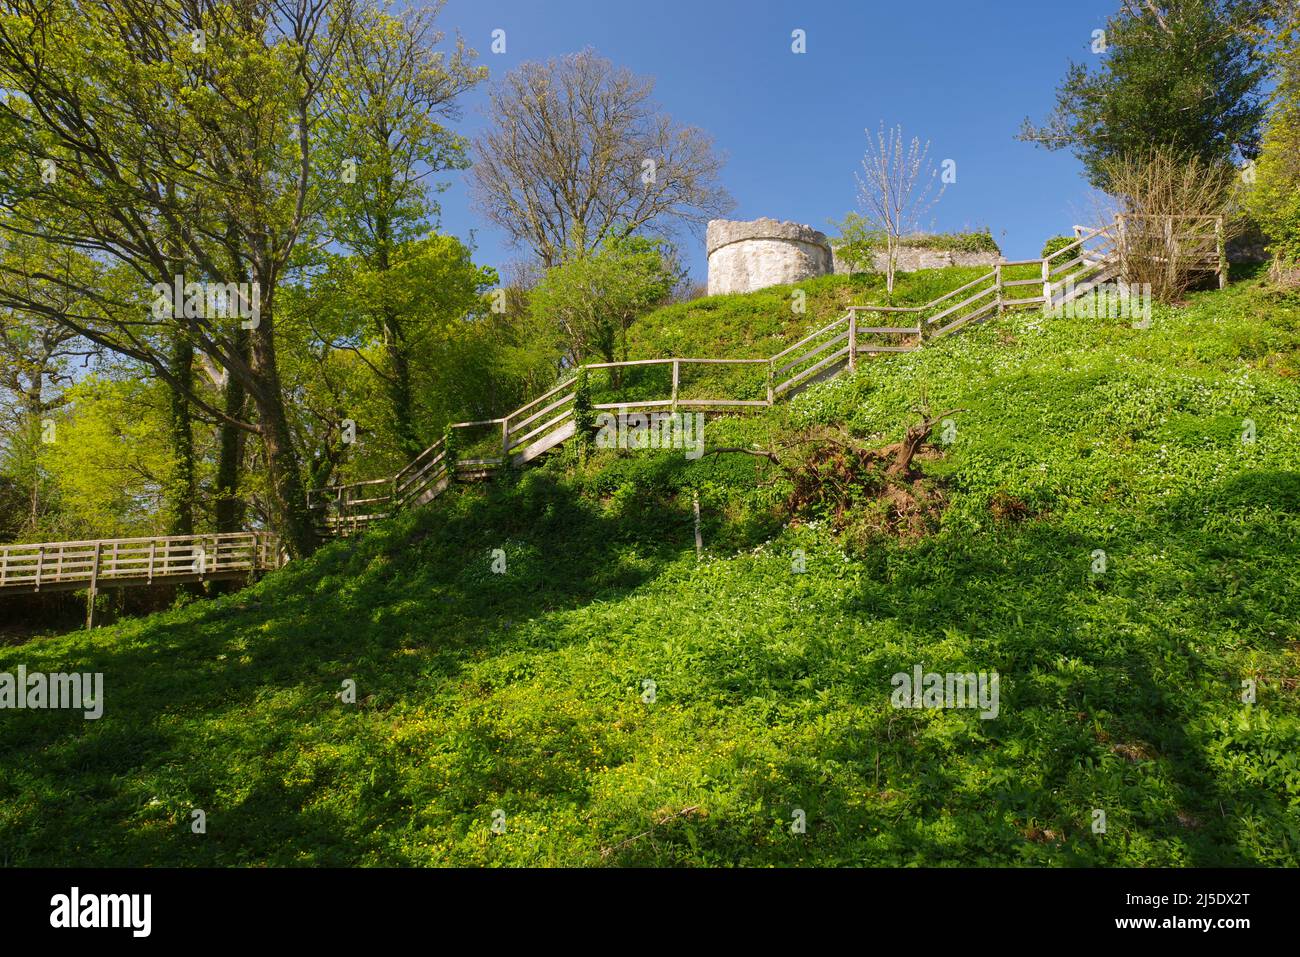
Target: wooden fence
x: 174, y: 559
x: 1193, y: 243
x: 548, y: 420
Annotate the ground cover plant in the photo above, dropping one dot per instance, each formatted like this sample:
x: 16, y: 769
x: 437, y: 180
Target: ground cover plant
x: 610, y: 698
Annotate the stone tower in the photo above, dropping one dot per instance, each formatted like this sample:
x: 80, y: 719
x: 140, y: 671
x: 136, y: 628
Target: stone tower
x: 744, y: 256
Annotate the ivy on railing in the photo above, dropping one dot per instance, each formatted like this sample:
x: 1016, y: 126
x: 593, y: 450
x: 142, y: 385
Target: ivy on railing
x: 449, y: 440
x: 584, y: 416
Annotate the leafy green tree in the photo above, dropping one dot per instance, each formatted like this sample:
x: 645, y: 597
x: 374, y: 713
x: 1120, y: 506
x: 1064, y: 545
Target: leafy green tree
x: 858, y: 242
x: 384, y: 125
x: 38, y: 357
x: 176, y: 140
x: 594, y: 299
x: 1273, y: 198
x: 1186, y: 74
x: 110, y: 461
x: 337, y: 364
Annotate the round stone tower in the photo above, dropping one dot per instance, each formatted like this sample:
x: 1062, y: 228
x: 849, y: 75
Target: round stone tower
x: 744, y: 256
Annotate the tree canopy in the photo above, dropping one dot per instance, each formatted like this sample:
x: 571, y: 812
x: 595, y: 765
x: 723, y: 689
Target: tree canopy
x: 578, y: 153
x: 1185, y: 74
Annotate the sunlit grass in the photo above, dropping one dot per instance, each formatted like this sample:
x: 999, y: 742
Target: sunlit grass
x: 525, y: 692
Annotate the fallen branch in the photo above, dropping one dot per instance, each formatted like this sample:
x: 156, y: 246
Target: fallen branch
x: 916, y: 434
x: 770, y: 456
x: 684, y: 812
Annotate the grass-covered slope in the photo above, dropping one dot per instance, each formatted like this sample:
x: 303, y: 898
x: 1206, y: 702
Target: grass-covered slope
x: 525, y: 692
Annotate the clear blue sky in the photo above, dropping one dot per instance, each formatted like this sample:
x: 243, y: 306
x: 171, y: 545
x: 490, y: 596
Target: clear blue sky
x: 960, y: 73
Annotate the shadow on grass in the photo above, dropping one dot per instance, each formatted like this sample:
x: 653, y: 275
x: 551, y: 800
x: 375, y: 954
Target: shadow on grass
x: 398, y: 612
x: 1110, y: 701
x: 1113, y: 691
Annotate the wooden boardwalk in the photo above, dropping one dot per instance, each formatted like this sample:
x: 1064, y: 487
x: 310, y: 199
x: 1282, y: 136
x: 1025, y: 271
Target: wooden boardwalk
x: 173, y: 559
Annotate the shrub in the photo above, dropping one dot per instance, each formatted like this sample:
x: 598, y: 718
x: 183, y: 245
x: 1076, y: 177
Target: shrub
x: 1055, y: 245
x: 1274, y: 198
x: 979, y: 241
x: 857, y: 243
x: 584, y: 416
x: 1155, y: 188
x: 449, y: 443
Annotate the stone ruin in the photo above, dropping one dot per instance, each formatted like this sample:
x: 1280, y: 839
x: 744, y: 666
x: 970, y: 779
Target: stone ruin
x: 744, y: 256
x: 754, y: 254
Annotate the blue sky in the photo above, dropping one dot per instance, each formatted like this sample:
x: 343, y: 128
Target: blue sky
x: 960, y: 73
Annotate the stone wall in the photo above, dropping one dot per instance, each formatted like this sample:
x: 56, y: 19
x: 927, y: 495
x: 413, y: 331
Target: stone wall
x: 755, y: 254
x: 744, y: 256
x: 912, y: 258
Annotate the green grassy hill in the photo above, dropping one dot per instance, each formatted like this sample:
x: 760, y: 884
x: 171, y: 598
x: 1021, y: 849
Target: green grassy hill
x: 525, y: 692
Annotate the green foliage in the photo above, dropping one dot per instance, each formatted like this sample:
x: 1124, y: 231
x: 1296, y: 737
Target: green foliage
x: 858, y: 242
x: 451, y: 446
x: 1185, y: 74
x: 1054, y: 245
x: 979, y: 241
x: 593, y: 299
x: 108, y: 461
x: 584, y: 416
x: 384, y: 103
x: 524, y: 691
x: 337, y: 355
x: 1273, y: 200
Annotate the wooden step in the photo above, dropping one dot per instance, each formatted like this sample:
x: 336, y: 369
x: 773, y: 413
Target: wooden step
x: 432, y: 492
x: 547, y: 442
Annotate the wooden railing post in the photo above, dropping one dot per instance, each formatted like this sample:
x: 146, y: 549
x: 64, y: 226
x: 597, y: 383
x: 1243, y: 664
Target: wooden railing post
x: 853, y: 339
x: 94, y: 587
x: 1171, y: 251
x: 1121, y: 245
x: 1047, y: 284
x: 505, y: 441
x: 1221, y: 243
x: 771, y: 381
x: 997, y: 285
x: 677, y: 381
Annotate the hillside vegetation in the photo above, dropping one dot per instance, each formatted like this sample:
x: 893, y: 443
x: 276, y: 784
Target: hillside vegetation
x: 526, y: 692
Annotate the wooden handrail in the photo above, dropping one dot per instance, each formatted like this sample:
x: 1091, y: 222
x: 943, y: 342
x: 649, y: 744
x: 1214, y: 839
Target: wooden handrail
x: 141, y: 539
x: 428, y: 467
x: 809, y: 338
x: 25, y: 567
x: 543, y: 397
x: 416, y: 462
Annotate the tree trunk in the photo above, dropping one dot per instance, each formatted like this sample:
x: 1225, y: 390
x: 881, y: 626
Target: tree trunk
x: 289, y: 498
x: 400, y: 395
x: 891, y: 267
x: 230, y: 455
x: 181, y: 507
x: 34, y: 412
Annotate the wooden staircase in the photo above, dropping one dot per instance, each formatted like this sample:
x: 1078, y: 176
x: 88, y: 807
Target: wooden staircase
x: 1095, y: 257
x: 548, y: 421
